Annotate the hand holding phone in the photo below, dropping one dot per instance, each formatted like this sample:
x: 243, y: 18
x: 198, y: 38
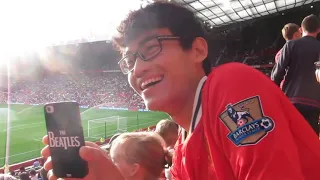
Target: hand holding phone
x: 100, y: 166
x: 65, y: 138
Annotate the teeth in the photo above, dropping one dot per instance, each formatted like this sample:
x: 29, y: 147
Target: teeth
x: 145, y: 83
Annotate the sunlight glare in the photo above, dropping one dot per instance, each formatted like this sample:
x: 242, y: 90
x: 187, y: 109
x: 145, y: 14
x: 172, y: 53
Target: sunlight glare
x: 37, y: 23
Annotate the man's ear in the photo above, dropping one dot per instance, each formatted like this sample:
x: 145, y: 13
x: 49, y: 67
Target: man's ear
x: 200, y: 48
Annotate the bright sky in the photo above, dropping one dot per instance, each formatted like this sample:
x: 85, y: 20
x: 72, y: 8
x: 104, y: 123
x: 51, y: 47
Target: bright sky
x: 31, y: 24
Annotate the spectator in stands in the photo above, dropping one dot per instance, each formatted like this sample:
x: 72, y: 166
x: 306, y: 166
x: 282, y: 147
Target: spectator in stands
x: 138, y: 155
x: 24, y: 176
x: 36, y: 164
x: 296, y: 65
x: 33, y: 174
x: 21, y: 170
x: 290, y: 31
x: 7, y: 177
x: 168, y: 130
x: 110, y: 90
x: 43, y: 174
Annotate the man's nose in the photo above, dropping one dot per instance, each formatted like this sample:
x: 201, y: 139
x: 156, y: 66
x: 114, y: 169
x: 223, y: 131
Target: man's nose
x: 141, y: 67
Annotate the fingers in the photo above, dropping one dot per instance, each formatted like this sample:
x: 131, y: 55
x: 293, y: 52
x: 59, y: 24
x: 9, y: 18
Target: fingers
x: 99, y: 163
x: 48, y: 164
x: 91, y: 144
x: 45, y: 152
x: 89, y: 153
x: 51, y: 176
x: 45, y: 140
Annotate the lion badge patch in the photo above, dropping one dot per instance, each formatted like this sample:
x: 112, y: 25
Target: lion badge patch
x: 246, y: 121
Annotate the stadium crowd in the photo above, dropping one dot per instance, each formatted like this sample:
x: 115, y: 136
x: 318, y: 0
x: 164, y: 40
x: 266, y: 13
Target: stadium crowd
x: 34, y: 172
x: 112, y: 90
x: 106, y: 89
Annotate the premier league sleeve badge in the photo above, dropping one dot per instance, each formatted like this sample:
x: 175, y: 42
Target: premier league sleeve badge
x: 246, y: 121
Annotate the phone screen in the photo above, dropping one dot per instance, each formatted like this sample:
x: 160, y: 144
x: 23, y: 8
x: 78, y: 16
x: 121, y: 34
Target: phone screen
x: 65, y: 134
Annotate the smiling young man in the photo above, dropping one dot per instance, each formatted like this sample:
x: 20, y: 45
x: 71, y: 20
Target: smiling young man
x: 240, y: 125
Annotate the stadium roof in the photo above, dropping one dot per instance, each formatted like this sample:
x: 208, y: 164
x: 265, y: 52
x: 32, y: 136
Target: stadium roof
x: 223, y: 12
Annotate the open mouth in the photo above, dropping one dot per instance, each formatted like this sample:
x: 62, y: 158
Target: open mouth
x: 151, y: 82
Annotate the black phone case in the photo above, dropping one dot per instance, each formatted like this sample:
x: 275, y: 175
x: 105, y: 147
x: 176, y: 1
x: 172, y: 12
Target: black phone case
x: 65, y: 134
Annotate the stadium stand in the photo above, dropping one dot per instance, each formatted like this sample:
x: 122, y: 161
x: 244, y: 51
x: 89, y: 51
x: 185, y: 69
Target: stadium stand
x: 109, y: 89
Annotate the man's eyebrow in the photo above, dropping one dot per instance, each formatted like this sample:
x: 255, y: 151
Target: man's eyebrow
x: 149, y: 37
x: 142, y: 42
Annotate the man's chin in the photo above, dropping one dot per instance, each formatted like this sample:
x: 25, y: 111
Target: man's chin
x: 151, y: 107
x: 154, y: 106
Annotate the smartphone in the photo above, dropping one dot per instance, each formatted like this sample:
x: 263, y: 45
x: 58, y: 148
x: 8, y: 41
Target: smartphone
x: 65, y: 134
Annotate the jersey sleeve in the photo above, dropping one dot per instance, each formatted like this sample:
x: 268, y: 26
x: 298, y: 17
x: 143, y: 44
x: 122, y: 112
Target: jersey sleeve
x: 279, y: 69
x: 247, y: 127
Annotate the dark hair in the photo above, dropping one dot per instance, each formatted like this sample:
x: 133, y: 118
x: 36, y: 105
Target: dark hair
x: 22, y: 168
x: 43, y: 174
x: 179, y: 20
x: 311, y: 23
x: 288, y: 30
x: 32, y: 172
x: 24, y: 176
x: 12, y: 173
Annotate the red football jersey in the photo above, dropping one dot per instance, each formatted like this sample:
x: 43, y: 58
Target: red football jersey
x: 248, y: 130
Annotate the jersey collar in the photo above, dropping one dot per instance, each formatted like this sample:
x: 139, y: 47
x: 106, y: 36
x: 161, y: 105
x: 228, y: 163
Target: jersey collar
x: 197, y: 107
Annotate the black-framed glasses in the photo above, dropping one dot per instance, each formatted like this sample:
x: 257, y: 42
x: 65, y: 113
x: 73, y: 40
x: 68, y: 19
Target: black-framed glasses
x: 148, y: 49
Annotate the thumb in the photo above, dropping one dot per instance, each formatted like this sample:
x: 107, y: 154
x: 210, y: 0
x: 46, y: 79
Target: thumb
x: 92, y: 154
x: 100, y: 163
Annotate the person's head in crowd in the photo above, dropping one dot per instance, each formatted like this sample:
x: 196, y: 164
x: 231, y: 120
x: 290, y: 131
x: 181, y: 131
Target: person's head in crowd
x: 165, y: 54
x: 311, y: 26
x: 139, y: 155
x: 7, y: 177
x: 24, y: 176
x: 32, y: 172
x: 291, y: 31
x: 22, y: 169
x: 43, y: 173
x: 168, y: 130
x: 36, y: 163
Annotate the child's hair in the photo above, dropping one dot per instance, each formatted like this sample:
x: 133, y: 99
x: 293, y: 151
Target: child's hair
x: 143, y: 148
